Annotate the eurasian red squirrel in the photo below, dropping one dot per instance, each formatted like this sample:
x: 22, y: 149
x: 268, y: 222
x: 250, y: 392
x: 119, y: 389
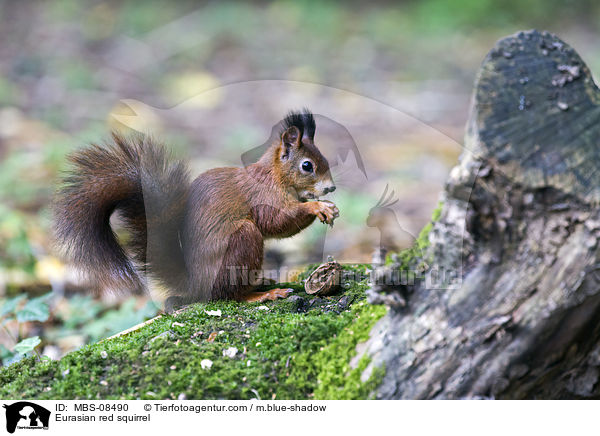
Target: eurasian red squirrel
x: 196, y: 239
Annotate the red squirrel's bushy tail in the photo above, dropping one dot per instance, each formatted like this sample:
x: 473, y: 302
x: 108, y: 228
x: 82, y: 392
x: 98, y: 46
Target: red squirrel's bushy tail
x: 134, y: 177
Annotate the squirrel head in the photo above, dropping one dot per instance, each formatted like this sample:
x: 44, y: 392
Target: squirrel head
x: 301, y: 165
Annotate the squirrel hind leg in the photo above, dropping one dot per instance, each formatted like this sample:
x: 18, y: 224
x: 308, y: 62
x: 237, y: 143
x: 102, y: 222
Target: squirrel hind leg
x: 270, y: 295
x: 241, y: 262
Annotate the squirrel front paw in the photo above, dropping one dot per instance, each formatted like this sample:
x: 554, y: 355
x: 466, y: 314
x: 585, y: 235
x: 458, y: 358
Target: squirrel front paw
x: 326, y: 211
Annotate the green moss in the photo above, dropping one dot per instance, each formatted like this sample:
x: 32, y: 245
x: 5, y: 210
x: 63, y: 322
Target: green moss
x: 437, y: 212
x: 298, y: 348
x: 336, y: 380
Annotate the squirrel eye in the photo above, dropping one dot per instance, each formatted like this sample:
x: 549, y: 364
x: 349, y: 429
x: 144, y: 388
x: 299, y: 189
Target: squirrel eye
x: 307, y: 166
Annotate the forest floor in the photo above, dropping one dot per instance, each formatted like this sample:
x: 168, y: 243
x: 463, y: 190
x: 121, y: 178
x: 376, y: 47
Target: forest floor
x: 297, y: 348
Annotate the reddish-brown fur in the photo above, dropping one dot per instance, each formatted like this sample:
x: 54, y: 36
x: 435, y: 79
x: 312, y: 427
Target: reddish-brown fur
x: 199, y: 240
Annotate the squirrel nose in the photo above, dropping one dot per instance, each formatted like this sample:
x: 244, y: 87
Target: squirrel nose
x: 330, y: 189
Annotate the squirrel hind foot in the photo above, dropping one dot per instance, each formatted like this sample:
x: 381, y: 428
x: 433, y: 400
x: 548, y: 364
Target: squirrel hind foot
x: 270, y: 295
x: 175, y: 303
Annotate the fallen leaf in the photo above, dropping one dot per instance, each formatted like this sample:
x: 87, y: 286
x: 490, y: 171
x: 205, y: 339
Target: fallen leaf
x: 230, y: 352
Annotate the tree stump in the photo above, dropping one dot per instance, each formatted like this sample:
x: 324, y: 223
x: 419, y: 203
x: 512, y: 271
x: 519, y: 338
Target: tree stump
x: 520, y: 315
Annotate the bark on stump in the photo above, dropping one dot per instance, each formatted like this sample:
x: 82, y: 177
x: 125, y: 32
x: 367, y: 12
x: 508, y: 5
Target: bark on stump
x: 519, y: 227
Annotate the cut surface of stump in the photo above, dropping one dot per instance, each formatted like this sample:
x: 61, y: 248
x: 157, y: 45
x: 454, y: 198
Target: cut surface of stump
x: 536, y: 115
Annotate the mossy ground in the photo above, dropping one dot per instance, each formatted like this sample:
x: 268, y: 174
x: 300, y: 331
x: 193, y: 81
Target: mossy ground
x: 299, y: 348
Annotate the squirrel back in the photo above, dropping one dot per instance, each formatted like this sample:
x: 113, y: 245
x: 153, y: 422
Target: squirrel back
x: 135, y: 177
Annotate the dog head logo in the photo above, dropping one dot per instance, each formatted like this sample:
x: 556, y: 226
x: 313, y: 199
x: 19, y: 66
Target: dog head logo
x: 26, y: 415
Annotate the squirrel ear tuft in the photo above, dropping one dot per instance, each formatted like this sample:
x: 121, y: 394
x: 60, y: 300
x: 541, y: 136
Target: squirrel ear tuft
x: 290, y: 138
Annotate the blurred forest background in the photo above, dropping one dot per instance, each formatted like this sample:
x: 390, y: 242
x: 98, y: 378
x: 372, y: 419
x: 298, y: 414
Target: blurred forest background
x: 391, y: 81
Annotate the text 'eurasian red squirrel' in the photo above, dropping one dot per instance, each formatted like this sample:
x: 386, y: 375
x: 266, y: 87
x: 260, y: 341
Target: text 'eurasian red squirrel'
x: 195, y: 239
